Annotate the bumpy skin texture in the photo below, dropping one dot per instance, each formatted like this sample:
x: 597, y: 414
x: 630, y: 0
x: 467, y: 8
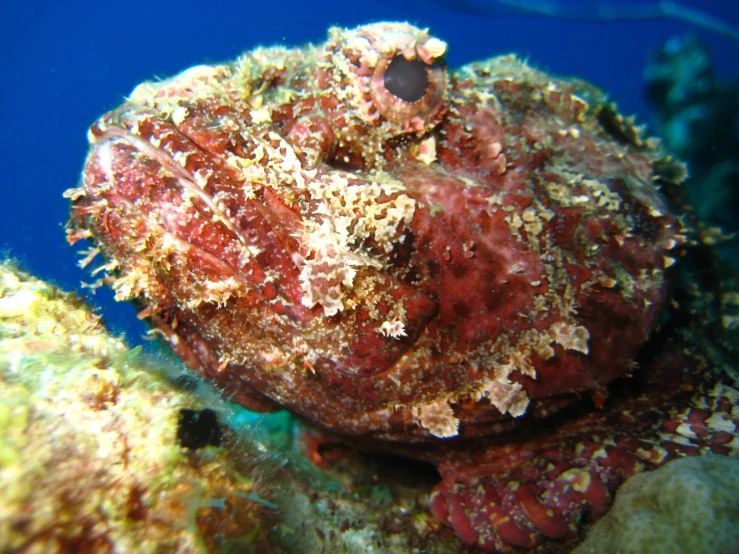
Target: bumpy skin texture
x: 420, y: 272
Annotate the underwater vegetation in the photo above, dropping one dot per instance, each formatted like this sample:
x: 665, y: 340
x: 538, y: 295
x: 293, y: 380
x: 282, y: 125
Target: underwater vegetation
x: 698, y: 115
x: 489, y: 269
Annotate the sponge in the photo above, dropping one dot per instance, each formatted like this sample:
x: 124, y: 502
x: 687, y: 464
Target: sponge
x: 690, y: 505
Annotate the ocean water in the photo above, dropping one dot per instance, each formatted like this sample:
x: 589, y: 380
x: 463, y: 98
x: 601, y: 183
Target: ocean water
x: 64, y: 63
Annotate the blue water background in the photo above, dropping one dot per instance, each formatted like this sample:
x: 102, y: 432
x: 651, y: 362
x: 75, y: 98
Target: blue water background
x: 63, y: 63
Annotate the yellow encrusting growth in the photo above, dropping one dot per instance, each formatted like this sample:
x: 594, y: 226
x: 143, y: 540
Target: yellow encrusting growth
x: 88, y: 440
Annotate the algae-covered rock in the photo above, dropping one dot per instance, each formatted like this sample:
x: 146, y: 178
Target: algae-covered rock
x: 689, y: 506
x: 89, y: 456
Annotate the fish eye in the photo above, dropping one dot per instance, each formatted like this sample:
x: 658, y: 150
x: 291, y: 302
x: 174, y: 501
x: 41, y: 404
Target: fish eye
x: 405, y: 89
x: 406, y: 79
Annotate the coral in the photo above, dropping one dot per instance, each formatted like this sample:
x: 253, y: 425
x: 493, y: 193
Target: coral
x: 687, y: 506
x: 89, y: 459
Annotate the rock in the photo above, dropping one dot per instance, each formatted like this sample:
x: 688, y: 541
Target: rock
x: 690, y: 506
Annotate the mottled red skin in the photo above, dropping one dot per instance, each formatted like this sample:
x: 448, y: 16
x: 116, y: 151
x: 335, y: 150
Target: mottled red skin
x: 165, y: 204
x: 636, y: 431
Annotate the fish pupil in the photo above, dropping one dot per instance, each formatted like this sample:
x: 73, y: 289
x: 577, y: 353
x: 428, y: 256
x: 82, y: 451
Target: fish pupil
x: 406, y: 79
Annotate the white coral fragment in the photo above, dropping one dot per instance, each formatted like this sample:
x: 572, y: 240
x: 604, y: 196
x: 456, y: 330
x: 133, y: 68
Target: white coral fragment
x: 129, y: 285
x: 427, y: 151
x: 504, y: 394
x: 438, y: 418
x: 394, y: 328
x: 218, y: 292
x: 507, y: 396
x: 570, y: 337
